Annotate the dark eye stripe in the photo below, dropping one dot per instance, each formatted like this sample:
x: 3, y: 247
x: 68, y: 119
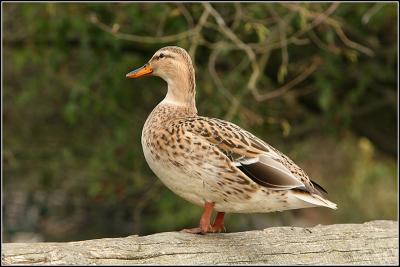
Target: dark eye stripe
x: 163, y: 56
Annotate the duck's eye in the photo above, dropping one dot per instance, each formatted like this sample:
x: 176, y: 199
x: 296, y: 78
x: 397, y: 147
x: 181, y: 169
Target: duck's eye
x: 161, y: 55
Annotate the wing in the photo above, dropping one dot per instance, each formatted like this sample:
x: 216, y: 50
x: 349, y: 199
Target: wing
x: 259, y: 161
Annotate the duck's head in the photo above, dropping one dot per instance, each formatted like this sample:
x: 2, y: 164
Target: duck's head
x: 174, y: 65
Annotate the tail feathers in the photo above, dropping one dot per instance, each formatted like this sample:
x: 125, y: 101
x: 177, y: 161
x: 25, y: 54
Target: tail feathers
x: 314, y: 199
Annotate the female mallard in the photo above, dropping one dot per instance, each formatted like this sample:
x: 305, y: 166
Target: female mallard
x: 212, y: 162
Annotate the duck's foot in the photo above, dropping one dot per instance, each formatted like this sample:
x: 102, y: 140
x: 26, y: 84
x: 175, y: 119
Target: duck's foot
x: 218, y: 229
x: 205, y: 227
x: 218, y: 225
x: 198, y: 230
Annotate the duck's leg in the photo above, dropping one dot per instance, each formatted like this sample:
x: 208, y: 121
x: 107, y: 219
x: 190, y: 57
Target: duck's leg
x: 205, y: 226
x: 218, y: 225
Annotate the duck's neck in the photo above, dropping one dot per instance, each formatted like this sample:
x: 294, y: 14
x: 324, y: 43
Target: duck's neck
x: 181, y: 90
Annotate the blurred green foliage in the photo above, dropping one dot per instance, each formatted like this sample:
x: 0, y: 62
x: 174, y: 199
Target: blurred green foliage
x: 73, y: 166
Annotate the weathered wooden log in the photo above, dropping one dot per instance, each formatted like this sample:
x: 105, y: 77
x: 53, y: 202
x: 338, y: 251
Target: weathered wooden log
x: 373, y: 242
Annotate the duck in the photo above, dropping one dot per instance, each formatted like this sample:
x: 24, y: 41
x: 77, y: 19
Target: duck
x: 214, y: 163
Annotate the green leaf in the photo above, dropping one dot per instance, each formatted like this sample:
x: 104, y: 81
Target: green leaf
x: 282, y: 73
x: 261, y: 30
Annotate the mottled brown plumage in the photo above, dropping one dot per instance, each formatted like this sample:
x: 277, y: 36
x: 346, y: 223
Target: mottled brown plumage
x: 212, y: 162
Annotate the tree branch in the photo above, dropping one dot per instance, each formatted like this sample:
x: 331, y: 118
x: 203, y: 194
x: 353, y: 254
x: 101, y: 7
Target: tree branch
x: 138, y: 38
x: 372, y: 243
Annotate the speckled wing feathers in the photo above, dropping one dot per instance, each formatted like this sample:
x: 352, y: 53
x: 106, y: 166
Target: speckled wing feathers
x: 257, y: 160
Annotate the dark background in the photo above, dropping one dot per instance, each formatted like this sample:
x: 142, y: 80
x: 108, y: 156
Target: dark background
x: 73, y: 166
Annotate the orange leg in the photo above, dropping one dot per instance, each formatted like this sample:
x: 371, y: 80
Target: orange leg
x: 205, y: 226
x: 218, y: 225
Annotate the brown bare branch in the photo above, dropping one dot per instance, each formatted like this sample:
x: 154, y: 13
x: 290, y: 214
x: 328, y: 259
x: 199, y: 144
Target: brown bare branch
x: 324, y: 18
x: 280, y: 91
x: 138, y: 38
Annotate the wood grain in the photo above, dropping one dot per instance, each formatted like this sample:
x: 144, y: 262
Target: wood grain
x: 374, y: 242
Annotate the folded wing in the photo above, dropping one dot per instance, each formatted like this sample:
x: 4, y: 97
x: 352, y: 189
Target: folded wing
x: 259, y: 161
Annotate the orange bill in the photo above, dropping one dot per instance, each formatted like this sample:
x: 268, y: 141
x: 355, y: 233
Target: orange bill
x: 140, y: 72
